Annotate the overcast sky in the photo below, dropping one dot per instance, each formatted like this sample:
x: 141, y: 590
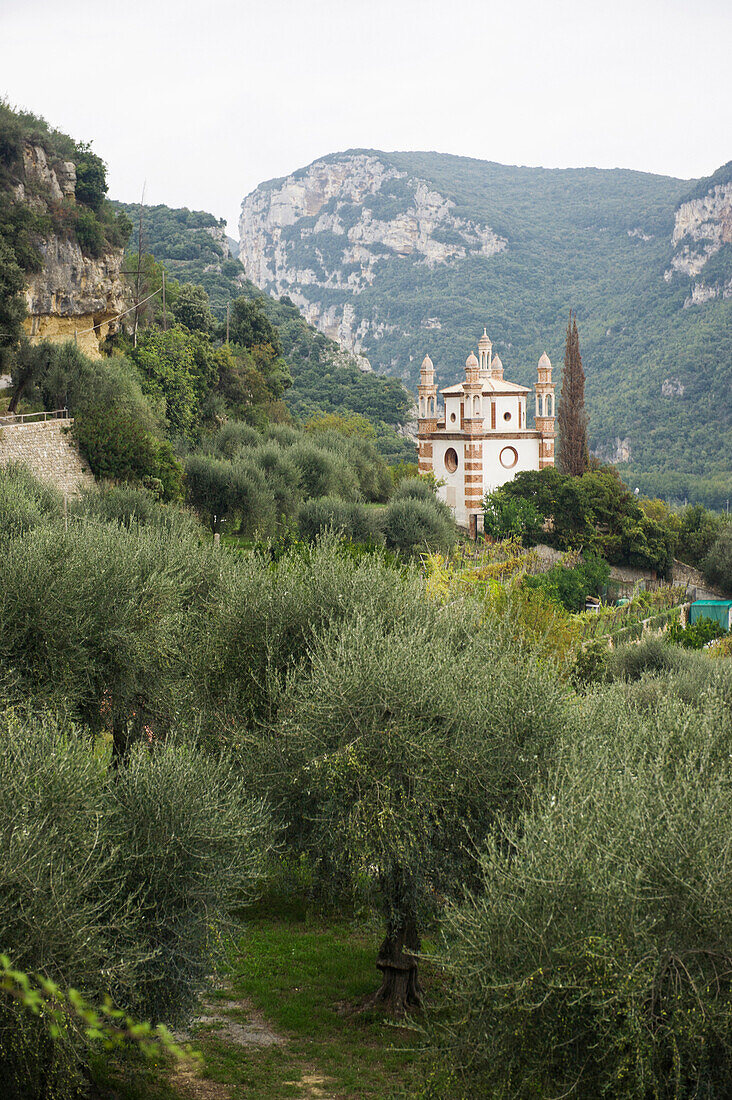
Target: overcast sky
x: 203, y: 101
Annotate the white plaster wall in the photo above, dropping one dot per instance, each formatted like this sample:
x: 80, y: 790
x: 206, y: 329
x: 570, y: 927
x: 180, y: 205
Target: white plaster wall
x: 494, y: 474
x: 453, y: 491
x: 452, y: 405
x: 504, y: 405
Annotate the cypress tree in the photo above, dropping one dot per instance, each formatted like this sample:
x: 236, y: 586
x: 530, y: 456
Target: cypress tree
x: 573, y: 453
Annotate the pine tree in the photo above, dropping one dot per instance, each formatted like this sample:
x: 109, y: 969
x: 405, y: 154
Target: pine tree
x: 573, y: 453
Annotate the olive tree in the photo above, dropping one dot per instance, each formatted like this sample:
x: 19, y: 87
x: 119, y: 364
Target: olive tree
x: 401, y: 742
x: 595, y: 958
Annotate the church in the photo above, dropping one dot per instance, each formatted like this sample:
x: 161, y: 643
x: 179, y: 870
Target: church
x: 480, y: 438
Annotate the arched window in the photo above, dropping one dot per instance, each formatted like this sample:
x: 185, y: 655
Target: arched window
x: 476, y: 406
x: 550, y: 404
x: 539, y: 404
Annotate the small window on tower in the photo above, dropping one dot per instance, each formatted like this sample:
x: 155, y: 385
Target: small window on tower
x: 452, y: 418
x: 451, y: 460
x: 506, y: 416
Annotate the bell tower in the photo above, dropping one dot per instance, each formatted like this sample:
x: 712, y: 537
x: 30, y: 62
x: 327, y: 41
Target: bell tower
x: 473, y: 430
x: 484, y: 355
x: 427, y: 422
x: 545, y: 412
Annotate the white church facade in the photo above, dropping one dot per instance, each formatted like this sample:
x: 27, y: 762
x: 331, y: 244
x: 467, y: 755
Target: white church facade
x: 480, y: 438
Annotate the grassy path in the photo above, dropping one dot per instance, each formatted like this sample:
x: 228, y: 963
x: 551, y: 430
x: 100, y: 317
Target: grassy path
x: 286, y: 1023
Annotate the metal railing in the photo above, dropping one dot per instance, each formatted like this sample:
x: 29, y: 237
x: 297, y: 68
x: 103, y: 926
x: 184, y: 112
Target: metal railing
x: 38, y: 417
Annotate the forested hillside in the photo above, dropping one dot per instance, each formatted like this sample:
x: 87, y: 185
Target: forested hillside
x: 399, y: 254
x: 193, y: 247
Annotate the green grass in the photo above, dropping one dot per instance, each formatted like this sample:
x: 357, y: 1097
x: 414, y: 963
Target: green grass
x: 308, y: 977
x: 308, y: 980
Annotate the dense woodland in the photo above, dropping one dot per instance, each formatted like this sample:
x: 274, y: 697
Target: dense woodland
x: 272, y: 728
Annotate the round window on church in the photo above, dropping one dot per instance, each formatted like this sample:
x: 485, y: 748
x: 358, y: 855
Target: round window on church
x: 508, y: 457
x: 453, y: 418
x: 506, y: 416
x: 451, y: 460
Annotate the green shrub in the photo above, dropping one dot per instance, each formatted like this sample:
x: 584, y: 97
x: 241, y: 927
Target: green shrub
x: 25, y: 502
x: 234, y: 436
x: 321, y: 474
x: 283, y: 477
x: 352, y: 520
x: 263, y: 620
x: 192, y: 848
x: 209, y: 488
x: 117, y: 447
x: 590, y: 664
x: 595, y: 960
x: 570, y: 587
x: 717, y: 565
x: 115, y: 881
x: 127, y: 505
x: 411, y: 525
x: 89, y: 233
x: 58, y: 898
x: 695, y: 635
x: 94, y: 623
x: 506, y: 516
x: 414, y: 488
x: 630, y: 662
x: 252, y: 499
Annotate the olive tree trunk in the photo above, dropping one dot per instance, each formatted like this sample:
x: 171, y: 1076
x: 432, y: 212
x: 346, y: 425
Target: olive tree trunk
x: 400, y: 990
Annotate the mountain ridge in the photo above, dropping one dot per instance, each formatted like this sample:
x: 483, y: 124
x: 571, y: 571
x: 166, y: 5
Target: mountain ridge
x: 398, y: 254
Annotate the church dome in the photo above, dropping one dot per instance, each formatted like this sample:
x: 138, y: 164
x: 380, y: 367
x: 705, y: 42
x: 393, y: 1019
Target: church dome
x: 427, y: 363
x: 545, y: 361
x: 471, y: 361
x: 496, y: 363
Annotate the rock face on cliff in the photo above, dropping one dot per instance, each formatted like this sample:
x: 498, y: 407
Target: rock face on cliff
x: 703, y: 233
x: 73, y: 296
x: 334, y: 224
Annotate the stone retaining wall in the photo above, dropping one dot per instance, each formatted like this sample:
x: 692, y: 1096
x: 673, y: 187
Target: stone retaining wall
x: 49, y: 451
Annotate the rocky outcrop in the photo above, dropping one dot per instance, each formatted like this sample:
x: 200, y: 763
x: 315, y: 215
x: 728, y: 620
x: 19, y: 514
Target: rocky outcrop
x: 73, y: 296
x: 332, y: 225
x: 701, y: 227
x: 43, y: 182
x: 703, y: 292
x: 218, y: 233
x: 617, y: 450
x: 672, y: 387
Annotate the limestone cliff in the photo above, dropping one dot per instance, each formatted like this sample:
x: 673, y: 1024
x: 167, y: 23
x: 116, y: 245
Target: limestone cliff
x: 702, y: 228
x: 333, y: 224
x: 73, y: 295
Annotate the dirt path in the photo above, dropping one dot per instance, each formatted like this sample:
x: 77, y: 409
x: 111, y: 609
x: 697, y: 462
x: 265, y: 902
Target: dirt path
x: 234, y: 1023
